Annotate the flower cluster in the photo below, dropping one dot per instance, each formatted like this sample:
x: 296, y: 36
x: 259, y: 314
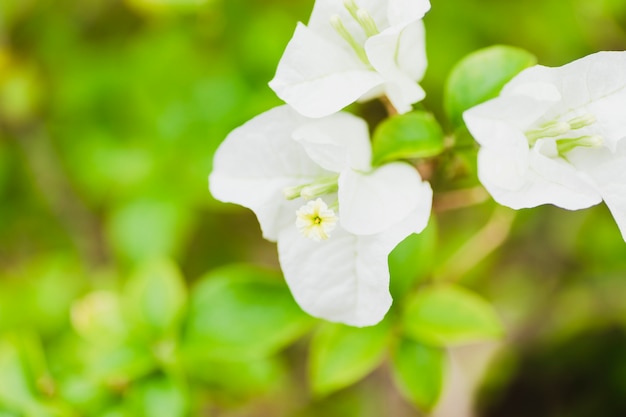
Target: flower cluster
x: 552, y: 136
x: 305, y: 168
x: 557, y: 136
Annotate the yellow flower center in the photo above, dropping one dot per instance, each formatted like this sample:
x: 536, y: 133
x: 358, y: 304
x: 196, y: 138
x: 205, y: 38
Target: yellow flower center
x: 315, y: 220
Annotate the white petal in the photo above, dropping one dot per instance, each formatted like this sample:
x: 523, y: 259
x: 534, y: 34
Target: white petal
x: 610, y: 117
x: 402, y: 12
x: 592, y: 77
x: 522, y: 179
x: 503, y: 171
x: 345, y: 278
x: 606, y: 169
x: 372, y: 203
x: 337, y: 142
x: 257, y: 161
x: 501, y: 121
x: 399, y: 55
x: 555, y: 181
x: 318, y: 77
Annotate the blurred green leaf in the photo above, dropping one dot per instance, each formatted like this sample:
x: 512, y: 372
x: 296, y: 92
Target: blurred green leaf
x: 238, y: 377
x: 117, y: 367
x: 159, y: 397
x: 419, y: 372
x: 411, y: 135
x: 84, y: 394
x: 148, y: 228
x: 241, y: 312
x: 480, y: 76
x: 17, y: 380
x: 167, y: 5
x: 445, y: 315
x: 20, y: 89
x: 342, y: 355
x: 155, y: 297
x: 98, y: 317
x: 39, y: 295
x: 412, y: 260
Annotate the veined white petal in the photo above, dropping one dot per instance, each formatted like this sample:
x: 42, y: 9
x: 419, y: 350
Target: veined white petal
x: 372, y: 203
x: 521, y: 179
x: 318, y: 77
x: 337, y: 142
x: 606, y: 170
x: 257, y: 161
x: 342, y: 279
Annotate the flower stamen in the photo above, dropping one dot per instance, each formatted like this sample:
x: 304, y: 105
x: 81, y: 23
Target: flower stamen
x: 315, y: 220
x: 548, y: 130
x: 367, y: 23
x: 557, y: 128
x: 338, y: 25
x: 565, y: 145
x: 352, y: 8
x: 318, y: 188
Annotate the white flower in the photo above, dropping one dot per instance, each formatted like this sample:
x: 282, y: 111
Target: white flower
x: 335, y: 218
x: 354, y: 50
x: 555, y: 136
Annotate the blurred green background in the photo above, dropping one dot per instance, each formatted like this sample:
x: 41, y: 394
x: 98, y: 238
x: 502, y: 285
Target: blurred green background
x: 110, y: 112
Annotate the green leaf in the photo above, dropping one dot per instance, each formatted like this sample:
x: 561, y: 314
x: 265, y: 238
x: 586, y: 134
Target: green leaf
x: 16, y: 384
x: 412, y: 260
x: 342, y: 355
x: 242, y: 312
x: 449, y: 315
x: 418, y: 371
x: 147, y: 228
x: 121, y: 365
x: 240, y: 378
x: 480, y: 76
x: 155, y: 297
x: 159, y: 397
x: 411, y: 135
x: 98, y: 317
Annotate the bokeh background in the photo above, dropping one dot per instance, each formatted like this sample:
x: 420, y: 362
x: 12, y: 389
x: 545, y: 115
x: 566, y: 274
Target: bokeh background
x: 110, y: 112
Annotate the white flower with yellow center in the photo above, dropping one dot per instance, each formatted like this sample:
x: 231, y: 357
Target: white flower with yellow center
x: 354, y: 50
x: 335, y: 217
x: 557, y: 136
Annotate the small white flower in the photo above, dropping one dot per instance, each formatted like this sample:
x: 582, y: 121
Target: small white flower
x: 289, y: 170
x: 315, y: 220
x: 354, y: 50
x: 556, y: 136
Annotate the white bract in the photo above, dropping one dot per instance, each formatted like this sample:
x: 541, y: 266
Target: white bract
x: 556, y: 136
x: 354, y: 50
x: 313, y: 189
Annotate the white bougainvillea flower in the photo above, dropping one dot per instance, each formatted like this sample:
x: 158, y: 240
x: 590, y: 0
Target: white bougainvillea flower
x: 311, y: 185
x: 354, y: 50
x: 556, y: 136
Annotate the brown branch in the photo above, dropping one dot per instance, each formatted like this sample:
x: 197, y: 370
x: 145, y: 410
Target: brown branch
x: 391, y: 110
x: 452, y: 200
